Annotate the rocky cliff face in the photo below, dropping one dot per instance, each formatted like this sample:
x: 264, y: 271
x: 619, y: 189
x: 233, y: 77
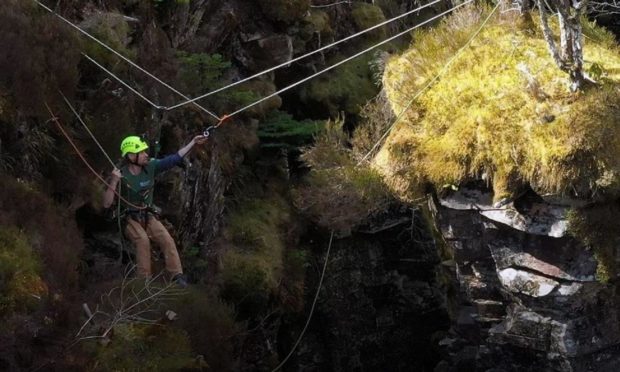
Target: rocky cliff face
x: 530, y: 297
x: 382, y: 304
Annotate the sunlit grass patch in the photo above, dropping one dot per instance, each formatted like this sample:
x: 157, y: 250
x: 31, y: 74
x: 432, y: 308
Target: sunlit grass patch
x: 501, y: 111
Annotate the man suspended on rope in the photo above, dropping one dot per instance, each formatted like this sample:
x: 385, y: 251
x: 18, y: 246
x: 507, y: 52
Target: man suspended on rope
x: 137, y: 177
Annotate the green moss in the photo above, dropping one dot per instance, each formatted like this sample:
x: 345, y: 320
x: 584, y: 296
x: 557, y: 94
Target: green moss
x: 135, y: 347
x: 256, y: 224
x: 245, y: 283
x: 253, y: 268
x: 482, y: 118
x: 596, y: 227
x: 347, y: 88
x: 21, y: 287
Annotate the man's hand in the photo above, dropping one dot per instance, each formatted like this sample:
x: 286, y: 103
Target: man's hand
x: 116, y: 174
x: 200, y: 139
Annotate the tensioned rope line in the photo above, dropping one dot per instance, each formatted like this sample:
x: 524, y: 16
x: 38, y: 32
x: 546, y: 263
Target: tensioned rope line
x: 347, y: 59
x: 87, y: 129
x: 66, y: 135
x: 287, y: 63
x: 434, y: 79
x: 316, y: 296
x: 156, y: 106
x: 125, y: 59
x: 332, y: 4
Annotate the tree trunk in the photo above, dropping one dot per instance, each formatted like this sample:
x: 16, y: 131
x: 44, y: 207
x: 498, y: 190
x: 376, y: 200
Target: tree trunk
x: 569, y: 58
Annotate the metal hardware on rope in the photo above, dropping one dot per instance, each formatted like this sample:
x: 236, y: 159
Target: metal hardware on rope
x: 206, y: 131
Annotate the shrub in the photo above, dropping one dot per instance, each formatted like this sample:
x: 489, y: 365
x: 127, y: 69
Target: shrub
x: 338, y: 194
x: 279, y: 129
x: 21, y: 287
x: 210, y: 325
x: 36, y: 63
x: 346, y: 88
x: 53, y: 236
x: 202, y: 72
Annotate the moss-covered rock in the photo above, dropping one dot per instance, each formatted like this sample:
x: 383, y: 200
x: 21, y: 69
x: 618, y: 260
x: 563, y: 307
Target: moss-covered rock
x: 113, y: 30
x: 135, y: 347
x: 596, y: 227
x: 315, y: 21
x: 502, y: 112
x: 367, y: 15
x: 253, y: 268
x: 284, y: 10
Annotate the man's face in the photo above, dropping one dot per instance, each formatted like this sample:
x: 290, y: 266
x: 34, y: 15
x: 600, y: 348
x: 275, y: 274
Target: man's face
x: 141, y: 158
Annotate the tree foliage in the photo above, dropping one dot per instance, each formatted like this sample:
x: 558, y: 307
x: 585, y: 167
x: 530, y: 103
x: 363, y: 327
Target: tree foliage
x: 39, y: 55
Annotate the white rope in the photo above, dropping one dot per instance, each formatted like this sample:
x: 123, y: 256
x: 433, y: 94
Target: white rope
x: 316, y: 296
x: 434, y: 79
x: 328, y: 5
x: 122, y: 82
x: 287, y: 63
x: 87, y: 129
x: 124, y: 59
x: 347, y: 59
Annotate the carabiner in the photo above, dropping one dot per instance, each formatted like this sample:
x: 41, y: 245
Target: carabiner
x: 206, y: 132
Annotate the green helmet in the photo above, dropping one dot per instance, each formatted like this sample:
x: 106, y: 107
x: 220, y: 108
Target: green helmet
x: 133, y: 145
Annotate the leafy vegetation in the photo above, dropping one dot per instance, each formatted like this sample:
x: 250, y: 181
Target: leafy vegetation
x: 202, y: 72
x: 348, y: 87
x: 279, y: 129
x: 35, y: 64
x: 57, y: 242
x: 338, y: 194
x: 501, y: 110
x: 21, y: 286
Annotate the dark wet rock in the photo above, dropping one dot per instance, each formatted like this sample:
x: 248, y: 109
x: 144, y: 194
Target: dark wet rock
x: 381, y: 301
x: 529, y: 296
x: 259, y: 51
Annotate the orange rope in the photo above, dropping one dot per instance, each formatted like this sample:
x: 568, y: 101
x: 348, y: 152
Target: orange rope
x: 222, y: 120
x: 55, y: 119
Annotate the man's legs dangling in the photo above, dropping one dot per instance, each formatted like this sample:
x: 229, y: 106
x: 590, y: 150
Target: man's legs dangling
x: 161, y: 236
x: 136, y: 233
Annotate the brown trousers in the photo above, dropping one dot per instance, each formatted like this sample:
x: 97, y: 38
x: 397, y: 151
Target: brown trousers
x: 157, y: 232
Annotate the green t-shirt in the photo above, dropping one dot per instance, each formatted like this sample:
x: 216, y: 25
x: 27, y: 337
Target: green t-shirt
x: 138, y: 189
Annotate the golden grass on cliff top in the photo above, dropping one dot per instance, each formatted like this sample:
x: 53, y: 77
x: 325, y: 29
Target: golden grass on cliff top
x: 480, y: 119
